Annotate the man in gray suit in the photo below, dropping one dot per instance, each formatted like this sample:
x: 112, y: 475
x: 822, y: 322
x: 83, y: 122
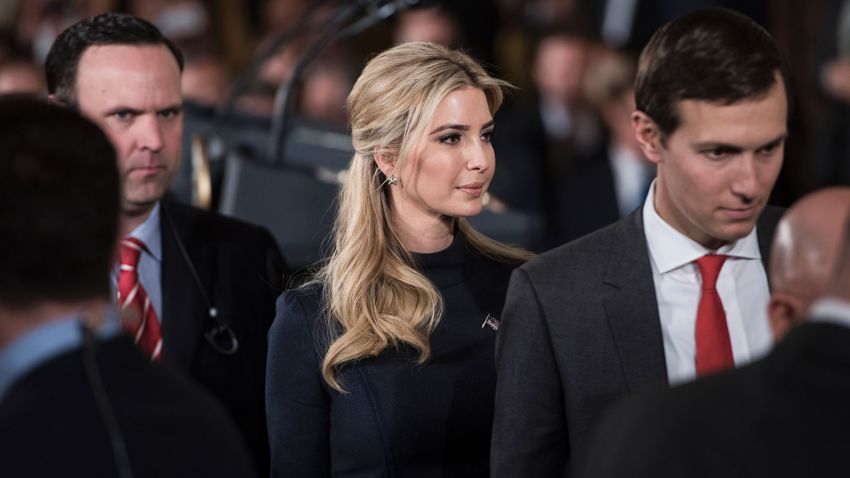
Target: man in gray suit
x: 677, y: 289
x: 782, y: 416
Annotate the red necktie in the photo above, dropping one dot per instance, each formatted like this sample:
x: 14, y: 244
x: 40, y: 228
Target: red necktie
x: 714, y: 349
x: 138, y: 316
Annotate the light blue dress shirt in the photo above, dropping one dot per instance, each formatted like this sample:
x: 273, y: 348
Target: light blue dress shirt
x: 39, y: 345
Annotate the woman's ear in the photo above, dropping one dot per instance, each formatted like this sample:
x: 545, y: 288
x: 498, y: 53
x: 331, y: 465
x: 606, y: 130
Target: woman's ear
x: 386, y: 163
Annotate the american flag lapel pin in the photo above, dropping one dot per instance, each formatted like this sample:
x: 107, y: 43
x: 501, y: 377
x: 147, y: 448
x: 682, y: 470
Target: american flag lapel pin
x: 491, y: 321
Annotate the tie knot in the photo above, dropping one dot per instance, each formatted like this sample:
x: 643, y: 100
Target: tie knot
x: 709, y: 269
x: 131, y: 248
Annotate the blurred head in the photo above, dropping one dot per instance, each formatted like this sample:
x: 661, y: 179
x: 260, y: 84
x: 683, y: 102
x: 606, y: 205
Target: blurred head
x: 423, y: 113
x: 609, y: 87
x: 806, y: 247
x: 559, y: 67
x: 712, y: 108
x: 205, y: 80
x: 121, y: 72
x: 432, y: 24
x: 21, y: 76
x: 59, y: 200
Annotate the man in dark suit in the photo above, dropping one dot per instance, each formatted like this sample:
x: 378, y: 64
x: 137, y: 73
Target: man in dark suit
x: 785, y: 415
x: 76, y: 397
x: 202, y: 286
x: 678, y: 288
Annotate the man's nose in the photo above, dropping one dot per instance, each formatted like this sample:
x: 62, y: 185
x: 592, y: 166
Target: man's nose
x: 149, y: 133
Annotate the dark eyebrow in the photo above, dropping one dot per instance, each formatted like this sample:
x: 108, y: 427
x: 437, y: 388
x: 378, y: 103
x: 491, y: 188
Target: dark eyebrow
x: 136, y: 112
x: 776, y: 141
x: 461, y: 127
x: 488, y: 124
x: 124, y: 109
x: 734, y: 148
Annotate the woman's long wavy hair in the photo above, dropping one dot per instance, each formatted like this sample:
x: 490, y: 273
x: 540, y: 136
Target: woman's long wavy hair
x: 373, y: 293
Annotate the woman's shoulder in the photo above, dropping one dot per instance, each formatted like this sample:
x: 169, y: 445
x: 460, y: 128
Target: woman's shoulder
x: 299, y: 311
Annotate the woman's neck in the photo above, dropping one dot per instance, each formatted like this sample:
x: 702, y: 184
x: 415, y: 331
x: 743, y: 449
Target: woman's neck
x: 424, y: 234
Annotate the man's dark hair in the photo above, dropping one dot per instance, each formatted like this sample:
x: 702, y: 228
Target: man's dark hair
x: 714, y: 55
x: 105, y: 29
x: 59, y: 205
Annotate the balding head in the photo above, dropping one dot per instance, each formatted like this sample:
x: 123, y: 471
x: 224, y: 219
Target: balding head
x: 805, y: 248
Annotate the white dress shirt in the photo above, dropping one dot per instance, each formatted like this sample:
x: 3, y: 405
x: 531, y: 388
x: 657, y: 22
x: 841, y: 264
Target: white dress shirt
x: 831, y: 310
x: 742, y: 286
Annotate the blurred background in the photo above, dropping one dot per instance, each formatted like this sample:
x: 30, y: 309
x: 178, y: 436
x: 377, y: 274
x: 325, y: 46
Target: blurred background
x: 266, y: 80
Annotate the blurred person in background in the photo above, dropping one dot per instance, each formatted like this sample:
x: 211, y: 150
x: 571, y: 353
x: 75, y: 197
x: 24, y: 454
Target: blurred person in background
x: 615, y: 178
x: 21, y: 75
x: 435, y: 24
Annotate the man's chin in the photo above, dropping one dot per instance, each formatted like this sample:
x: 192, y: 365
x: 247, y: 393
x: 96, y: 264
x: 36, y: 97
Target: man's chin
x: 735, y: 231
x: 137, y: 208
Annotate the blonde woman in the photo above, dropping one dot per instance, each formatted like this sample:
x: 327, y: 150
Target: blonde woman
x: 383, y: 366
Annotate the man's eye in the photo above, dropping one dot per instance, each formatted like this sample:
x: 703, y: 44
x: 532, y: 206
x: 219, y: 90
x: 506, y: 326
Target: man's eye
x: 122, y: 115
x: 717, y: 153
x: 169, y: 113
x: 770, y: 148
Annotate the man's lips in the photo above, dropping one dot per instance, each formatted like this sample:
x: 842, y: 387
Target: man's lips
x: 147, y: 170
x: 740, y: 213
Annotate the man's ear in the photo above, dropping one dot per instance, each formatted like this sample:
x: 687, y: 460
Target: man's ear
x: 784, y: 311
x: 648, y: 136
x: 386, y: 163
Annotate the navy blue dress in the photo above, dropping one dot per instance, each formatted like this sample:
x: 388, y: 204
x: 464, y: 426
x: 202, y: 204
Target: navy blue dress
x: 398, y: 418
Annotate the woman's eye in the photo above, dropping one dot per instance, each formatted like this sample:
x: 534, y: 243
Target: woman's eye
x: 453, y: 138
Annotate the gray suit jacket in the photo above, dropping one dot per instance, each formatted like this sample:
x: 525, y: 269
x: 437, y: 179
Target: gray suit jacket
x: 580, y: 329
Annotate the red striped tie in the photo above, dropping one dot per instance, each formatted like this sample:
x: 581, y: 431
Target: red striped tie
x: 139, y: 316
x: 714, y: 349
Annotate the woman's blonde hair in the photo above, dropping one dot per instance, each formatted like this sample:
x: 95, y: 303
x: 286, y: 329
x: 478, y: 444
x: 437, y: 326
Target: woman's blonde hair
x: 373, y: 293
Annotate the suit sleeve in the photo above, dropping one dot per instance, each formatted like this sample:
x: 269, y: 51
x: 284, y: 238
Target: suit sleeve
x: 529, y: 429
x: 297, y: 403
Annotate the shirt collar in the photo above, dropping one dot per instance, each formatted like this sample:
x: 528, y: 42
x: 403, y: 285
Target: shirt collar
x: 831, y: 310
x: 669, y: 249
x: 45, y: 342
x: 148, y: 233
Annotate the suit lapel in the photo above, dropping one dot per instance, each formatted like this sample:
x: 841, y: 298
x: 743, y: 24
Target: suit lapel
x: 631, y: 306
x: 182, y: 304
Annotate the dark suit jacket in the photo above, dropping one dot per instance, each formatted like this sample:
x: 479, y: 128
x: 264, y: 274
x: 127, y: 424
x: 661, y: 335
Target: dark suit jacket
x: 785, y: 415
x: 50, y: 424
x: 241, y: 271
x: 580, y: 329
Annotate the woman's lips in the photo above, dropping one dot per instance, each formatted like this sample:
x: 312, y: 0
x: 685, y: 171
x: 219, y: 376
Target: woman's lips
x: 473, y: 189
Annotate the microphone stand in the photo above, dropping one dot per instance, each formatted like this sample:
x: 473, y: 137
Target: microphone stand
x: 376, y: 11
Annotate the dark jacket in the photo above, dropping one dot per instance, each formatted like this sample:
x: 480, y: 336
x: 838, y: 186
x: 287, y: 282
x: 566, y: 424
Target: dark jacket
x: 51, y: 424
x: 240, y: 271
